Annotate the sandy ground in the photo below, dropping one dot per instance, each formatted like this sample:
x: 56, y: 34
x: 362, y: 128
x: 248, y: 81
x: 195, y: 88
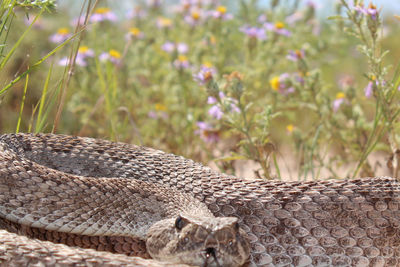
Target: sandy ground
x: 289, y: 168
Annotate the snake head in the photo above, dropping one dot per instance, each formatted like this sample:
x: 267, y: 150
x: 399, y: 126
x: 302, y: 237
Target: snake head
x: 198, y: 241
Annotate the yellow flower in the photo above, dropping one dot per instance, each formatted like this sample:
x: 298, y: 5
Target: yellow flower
x: 340, y: 95
x: 63, y: 31
x: 195, y: 15
x: 279, y: 25
x: 182, y: 58
x: 134, y: 31
x: 221, y: 9
x: 207, y: 64
x: 83, y: 49
x: 274, y: 82
x: 160, y: 107
x: 102, y: 10
x: 213, y: 40
x: 115, y: 54
x: 290, y: 128
x: 164, y: 22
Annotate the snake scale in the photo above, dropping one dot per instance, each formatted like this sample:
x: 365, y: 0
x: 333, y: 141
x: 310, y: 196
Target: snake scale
x: 317, y: 223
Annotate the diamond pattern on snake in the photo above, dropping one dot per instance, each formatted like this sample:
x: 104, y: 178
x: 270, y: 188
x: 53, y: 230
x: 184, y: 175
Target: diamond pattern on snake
x: 68, y: 200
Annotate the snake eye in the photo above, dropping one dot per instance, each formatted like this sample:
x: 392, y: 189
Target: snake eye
x: 237, y: 226
x: 179, y: 223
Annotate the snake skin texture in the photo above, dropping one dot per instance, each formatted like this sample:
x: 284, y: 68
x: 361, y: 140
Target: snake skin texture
x: 18, y: 250
x: 320, y: 223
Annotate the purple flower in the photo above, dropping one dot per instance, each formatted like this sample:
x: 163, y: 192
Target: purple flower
x: 372, y: 11
x: 152, y: 114
x: 203, y: 125
x: 80, y: 60
x: 295, y: 17
x: 360, y: 9
x: 262, y: 18
x: 158, y: 112
x: 77, y: 21
x: 369, y: 89
x: 204, y: 75
x: 182, y: 48
x: 346, y: 81
x: 284, y: 76
x: 216, y: 112
x: 206, y: 132
x: 156, y: 115
x: 154, y: 3
x: 282, y: 84
x: 340, y: 99
x: 168, y: 47
x: 234, y: 108
x: 113, y: 56
x: 182, y: 62
x: 195, y: 17
x: 220, y: 13
x: 254, y: 32
x: 186, y: 4
x: 103, y: 14
x: 85, y: 52
x: 211, y: 100
x: 295, y: 55
x: 61, y: 35
x: 278, y: 28
x: 64, y: 61
x: 134, y: 33
x: 300, y: 79
x: 136, y: 12
x: 163, y: 23
x: 337, y: 103
x: 367, y: 11
x: 38, y: 23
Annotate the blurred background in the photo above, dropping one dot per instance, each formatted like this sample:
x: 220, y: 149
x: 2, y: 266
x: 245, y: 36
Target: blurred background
x: 262, y: 89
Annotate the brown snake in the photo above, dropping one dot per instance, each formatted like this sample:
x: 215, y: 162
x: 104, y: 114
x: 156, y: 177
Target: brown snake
x: 321, y: 223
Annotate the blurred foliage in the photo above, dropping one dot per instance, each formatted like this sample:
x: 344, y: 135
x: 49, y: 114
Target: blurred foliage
x: 209, y: 83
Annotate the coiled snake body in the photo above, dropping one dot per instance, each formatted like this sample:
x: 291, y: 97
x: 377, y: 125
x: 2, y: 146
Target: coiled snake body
x: 108, y: 196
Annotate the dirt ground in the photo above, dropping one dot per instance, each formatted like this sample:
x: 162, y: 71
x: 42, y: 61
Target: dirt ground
x: 289, y: 168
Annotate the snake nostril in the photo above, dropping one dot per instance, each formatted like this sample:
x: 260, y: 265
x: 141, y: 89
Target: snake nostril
x: 210, y: 252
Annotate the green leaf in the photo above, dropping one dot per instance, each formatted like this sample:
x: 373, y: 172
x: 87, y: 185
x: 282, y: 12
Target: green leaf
x: 37, y: 64
x: 231, y: 158
x: 11, y: 52
x: 335, y: 17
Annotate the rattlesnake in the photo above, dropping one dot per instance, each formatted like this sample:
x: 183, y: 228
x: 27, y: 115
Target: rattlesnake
x: 319, y: 223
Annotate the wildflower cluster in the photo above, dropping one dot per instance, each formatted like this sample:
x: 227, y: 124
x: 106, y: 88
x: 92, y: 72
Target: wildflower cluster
x: 113, y: 56
x: 83, y: 54
x: 211, y: 82
x: 60, y: 36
